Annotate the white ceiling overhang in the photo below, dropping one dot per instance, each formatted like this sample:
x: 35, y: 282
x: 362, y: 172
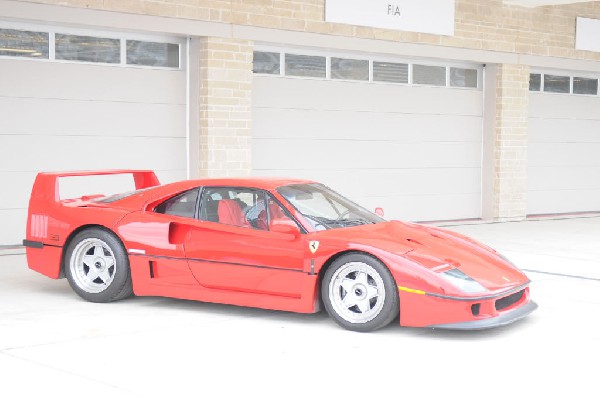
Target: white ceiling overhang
x: 539, y: 3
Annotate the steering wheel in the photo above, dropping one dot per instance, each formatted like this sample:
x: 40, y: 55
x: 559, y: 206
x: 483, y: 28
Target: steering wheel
x: 315, y: 219
x: 341, y: 216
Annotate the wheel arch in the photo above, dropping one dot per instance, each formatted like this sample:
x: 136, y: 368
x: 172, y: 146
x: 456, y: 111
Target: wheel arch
x: 74, y: 233
x: 334, y: 257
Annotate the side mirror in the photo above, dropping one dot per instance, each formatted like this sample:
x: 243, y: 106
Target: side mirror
x: 379, y: 211
x: 284, y: 226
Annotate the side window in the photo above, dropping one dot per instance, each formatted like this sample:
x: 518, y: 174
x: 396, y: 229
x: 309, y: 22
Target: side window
x: 241, y: 207
x: 182, y: 205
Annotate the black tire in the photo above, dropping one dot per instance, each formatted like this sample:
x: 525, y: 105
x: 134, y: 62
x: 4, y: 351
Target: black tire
x: 371, y: 312
x: 110, y: 280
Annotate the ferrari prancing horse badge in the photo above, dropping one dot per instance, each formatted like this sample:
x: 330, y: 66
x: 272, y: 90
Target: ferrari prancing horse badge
x: 313, y: 245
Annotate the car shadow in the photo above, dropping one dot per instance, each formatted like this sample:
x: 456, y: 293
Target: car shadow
x: 41, y: 287
x: 322, y: 317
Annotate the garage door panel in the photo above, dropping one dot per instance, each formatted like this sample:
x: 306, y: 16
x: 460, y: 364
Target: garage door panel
x: 564, y: 154
x: 69, y: 117
x: 563, y: 201
x: 13, y: 222
x: 303, y: 123
x: 65, y: 80
x: 563, y: 106
x: 289, y: 93
x: 557, y: 178
x: 402, y: 205
x: 424, y: 207
x: 407, y: 148
x: 61, y: 116
x: 319, y: 154
x: 392, y: 181
x: 30, y: 153
x: 564, y: 131
x: 17, y: 195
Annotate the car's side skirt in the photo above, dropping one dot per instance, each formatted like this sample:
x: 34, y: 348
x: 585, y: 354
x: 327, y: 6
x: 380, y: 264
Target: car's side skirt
x: 184, y: 286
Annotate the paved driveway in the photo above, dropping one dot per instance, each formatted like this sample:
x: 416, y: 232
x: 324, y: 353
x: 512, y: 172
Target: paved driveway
x: 52, y: 342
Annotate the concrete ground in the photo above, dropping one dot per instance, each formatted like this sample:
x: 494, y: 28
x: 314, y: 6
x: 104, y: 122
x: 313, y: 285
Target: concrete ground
x: 52, y: 342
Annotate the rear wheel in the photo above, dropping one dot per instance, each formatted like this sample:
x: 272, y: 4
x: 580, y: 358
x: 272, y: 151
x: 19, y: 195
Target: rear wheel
x: 359, y: 293
x: 97, y: 266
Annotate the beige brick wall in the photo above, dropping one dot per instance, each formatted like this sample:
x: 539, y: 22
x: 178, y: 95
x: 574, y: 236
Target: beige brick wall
x: 225, y: 107
x: 510, y: 142
x: 480, y: 24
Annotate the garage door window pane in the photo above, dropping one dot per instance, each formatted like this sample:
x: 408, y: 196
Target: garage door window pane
x: 349, y: 69
x: 88, y: 49
x: 535, y: 82
x: 266, y: 62
x: 583, y: 85
x: 557, y: 84
x: 460, y: 77
x: 20, y: 43
x: 390, y: 72
x: 431, y: 75
x: 152, y: 54
x: 305, y: 65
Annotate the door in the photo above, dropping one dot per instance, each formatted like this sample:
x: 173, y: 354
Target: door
x: 156, y: 245
x: 62, y: 114
x: 232, y: 247
x: 412, y: 147
x: 563, y: 163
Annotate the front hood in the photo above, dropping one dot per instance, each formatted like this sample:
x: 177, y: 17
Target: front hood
x: 432, y: 247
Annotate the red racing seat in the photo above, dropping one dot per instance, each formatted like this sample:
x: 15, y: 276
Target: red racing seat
x: 275, y: 210
x: 230, y: 213
x: 275, y: 213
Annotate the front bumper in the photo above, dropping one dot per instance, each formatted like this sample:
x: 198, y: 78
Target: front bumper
x: 422, y: 309
x: 504, y: 318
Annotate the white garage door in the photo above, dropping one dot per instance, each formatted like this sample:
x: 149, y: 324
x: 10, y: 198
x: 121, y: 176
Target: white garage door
x: 60, y: 116
x: 413, y: 150
x: 564, y: 148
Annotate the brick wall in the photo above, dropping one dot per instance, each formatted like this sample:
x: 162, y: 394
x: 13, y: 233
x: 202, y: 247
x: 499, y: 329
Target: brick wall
x: 480, y: 24
x: 225, y: 114
x: 510, y: 142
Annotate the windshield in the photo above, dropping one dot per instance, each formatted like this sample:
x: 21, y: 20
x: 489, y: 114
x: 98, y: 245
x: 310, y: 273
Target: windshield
x: 325, y: 208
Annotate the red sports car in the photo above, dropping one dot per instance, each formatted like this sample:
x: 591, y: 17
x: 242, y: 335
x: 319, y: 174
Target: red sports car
x: 281, y: 244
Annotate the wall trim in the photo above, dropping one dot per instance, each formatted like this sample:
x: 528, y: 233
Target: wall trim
x: 84, y: 17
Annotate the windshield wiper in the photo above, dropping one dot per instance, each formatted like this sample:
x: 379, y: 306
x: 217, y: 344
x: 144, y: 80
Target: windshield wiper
x: 355, y: 222
x: 321, y: 221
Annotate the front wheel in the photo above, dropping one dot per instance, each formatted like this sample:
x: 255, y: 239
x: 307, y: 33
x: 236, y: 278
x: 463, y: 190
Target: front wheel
x: 359, y: 293
x: 97, y: 266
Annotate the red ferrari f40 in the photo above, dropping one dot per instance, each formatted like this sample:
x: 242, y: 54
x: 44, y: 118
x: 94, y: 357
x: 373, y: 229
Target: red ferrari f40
x: 280, y: 244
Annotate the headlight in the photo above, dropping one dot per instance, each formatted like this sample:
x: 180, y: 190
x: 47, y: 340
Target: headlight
x: 463, y: 281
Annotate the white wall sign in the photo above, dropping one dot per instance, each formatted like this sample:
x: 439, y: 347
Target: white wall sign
x: 588, y: 34
x: 426, y: 16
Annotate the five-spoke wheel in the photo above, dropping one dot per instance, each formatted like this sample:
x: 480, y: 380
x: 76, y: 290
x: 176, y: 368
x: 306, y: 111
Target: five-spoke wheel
x: 93, y: 265
x: 359, y: 293
x: 97, y: 266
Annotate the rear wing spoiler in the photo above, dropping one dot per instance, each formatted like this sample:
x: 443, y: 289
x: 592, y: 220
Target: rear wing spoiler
x: 45, y: 187
x: 45, y: 195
